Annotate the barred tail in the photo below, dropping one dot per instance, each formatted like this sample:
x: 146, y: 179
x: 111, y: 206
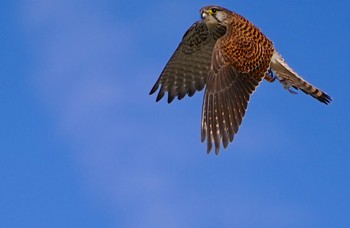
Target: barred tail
x: 290, y: 78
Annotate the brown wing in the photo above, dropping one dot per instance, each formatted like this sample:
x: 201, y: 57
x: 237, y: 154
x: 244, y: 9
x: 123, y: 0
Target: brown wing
x: 187, y: 70
x: 224, y: 106
x: 238, y: 66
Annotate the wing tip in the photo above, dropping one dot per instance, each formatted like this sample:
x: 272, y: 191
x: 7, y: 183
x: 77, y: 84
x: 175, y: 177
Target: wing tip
x: 154, y: 88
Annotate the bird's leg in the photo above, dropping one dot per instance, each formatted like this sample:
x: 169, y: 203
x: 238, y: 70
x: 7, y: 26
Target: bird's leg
x: 288, y: 86
x: 292, y: 91
x: 270, y: 76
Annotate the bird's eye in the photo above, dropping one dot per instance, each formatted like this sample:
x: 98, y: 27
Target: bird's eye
x: 213, y: 10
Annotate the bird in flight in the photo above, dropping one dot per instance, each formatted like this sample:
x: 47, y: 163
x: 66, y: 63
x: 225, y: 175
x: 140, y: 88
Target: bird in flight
x: 229, y: 56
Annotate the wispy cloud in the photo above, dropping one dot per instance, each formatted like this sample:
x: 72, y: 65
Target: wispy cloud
x: 80, y: 74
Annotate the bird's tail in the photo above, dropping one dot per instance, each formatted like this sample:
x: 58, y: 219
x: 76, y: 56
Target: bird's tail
x: 289, y: 78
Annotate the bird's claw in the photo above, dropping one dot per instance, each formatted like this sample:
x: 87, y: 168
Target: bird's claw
x: 270, y: 76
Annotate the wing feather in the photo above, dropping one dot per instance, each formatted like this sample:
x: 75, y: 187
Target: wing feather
x: 187, y: 70
x: 225, y: 102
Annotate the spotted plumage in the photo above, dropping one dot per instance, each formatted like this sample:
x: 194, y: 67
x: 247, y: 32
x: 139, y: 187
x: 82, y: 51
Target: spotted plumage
x: 230, y: 56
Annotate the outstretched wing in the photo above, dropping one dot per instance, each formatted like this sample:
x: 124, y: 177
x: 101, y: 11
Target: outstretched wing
x: 234, y: 76
x: 225, y: 103
x: 187, y: 70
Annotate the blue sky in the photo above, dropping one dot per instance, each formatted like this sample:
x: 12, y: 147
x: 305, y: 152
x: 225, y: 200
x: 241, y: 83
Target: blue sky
x: 84, y: 145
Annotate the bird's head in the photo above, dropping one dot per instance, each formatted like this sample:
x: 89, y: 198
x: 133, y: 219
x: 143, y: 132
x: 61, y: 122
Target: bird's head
x: 215, y: 15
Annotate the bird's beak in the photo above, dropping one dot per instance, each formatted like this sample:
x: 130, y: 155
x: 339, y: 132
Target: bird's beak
x: 204, y: 14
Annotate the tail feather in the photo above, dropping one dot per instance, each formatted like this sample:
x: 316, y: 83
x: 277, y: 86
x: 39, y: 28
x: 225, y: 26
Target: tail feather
x: 289, y: 78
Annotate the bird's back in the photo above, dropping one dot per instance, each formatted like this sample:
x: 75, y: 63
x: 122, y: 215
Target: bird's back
x: 246, y: 47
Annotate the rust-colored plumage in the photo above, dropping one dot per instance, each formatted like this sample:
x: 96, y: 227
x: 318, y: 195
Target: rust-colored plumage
x: 231, y: 56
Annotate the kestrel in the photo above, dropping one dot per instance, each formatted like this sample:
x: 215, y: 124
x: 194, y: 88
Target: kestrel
x: 230, y: 56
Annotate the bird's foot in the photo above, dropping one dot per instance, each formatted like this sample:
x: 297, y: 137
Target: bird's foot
x: 270, y: 76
